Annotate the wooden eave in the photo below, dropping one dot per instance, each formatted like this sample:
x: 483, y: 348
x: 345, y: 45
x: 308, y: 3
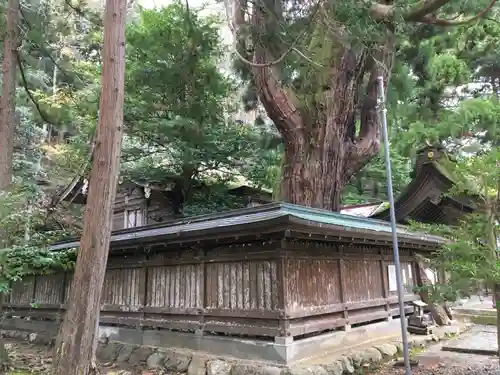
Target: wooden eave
x: 276, y: 220
x: 425, y: 199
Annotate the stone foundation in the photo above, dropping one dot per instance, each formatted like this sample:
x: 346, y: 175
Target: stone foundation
x: 282, y: 352
x: 195, y: 362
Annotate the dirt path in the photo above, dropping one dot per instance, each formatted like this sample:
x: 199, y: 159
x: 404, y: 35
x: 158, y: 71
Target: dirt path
x: 434, y: 361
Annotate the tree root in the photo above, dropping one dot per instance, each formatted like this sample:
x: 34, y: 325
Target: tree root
x: 94, y: 369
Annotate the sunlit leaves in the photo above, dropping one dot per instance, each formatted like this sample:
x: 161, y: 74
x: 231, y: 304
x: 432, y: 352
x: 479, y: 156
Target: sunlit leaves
x: 447, y: 69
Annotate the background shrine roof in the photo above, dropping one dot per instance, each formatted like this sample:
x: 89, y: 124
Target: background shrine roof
x: 426, y: 198
x: 290, y: 220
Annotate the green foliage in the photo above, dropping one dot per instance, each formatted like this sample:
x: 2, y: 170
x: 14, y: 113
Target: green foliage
x: 444, y: 88
x: 24, y: 241
x: 369, y: 184
x: 472, y: 256
x: 216, y: 199
x: 19, y: 262
x: 178, y: 116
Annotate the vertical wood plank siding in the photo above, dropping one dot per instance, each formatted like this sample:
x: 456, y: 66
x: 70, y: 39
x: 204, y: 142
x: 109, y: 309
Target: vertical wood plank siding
x: 122, y: 286
x: 312, y: 282
x: 244, y: 285
x: 246, y: 289
x: 365, y: 280
x: 48, y: 289
x: 179, y: 286
x: 22, y: 291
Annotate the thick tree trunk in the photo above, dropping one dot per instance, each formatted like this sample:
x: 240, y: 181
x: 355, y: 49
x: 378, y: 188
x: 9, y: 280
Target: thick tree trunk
x: 438, y: 312
x: 8, y: 100
x: 317, y: 121
x: 7, y: 122
x: 76, y: 343
x: 4, y: 355
x: 314, y: 177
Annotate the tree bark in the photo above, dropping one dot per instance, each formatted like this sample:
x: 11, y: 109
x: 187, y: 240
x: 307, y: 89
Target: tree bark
x: 438, y: 312
x: 323, y: 148
x: 496, y: 299
x: 77, y: 336
x: 8, y: 99
x: 448, y: 311
x: 8, y: 121
x: 4, y: 355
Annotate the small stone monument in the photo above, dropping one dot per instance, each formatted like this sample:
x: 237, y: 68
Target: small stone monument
x: 420, y: 323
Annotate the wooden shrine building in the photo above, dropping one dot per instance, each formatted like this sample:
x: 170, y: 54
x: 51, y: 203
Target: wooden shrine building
x: 267, y: 283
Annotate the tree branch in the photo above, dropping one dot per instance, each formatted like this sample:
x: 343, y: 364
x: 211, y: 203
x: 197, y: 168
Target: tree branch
x: 30, y: 95
x: 278, y: 103
x: 45, y: 51
x: 81, y: 13
x: 422, y: 12
x: 368, y: 141
x: 441, y: 22
x: 423, y: 8
x: 236, y: 24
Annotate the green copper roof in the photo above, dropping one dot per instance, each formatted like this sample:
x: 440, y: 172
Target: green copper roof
x: 265, y: 215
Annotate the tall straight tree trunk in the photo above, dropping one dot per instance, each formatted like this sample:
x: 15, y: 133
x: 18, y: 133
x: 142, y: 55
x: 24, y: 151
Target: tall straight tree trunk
x: 8, y: 100
x: 8, y: 121
x: 77, y: 336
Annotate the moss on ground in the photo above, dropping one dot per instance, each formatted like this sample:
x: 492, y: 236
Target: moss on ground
x: 484, y: 320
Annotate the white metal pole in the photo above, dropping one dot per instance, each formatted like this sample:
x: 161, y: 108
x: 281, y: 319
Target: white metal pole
x: 397, y: 264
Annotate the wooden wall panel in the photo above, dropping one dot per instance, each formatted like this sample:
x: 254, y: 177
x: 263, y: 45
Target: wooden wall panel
x: 49, y: 289
x: 118, y: 220
x: 123, y: 287
x: 312, y: 282
x: 67, y: 286
x: 175, y: 286
x: 362, y: 280
x: 247, y: 285
x: 236, y: 289
x: 22, y: 291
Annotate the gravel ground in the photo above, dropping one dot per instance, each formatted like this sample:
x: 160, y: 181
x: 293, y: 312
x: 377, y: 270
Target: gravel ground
x: 437, y: 362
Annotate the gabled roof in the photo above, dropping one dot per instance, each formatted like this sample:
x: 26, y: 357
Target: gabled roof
x: 425, y: 199
x: 276, y: 218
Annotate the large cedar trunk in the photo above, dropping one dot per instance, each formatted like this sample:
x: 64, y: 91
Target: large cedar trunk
x: 77, y: 337
x: 310, y: 180
x: 438, y: 312
x: 317, y: 121
x: 334, y: 84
